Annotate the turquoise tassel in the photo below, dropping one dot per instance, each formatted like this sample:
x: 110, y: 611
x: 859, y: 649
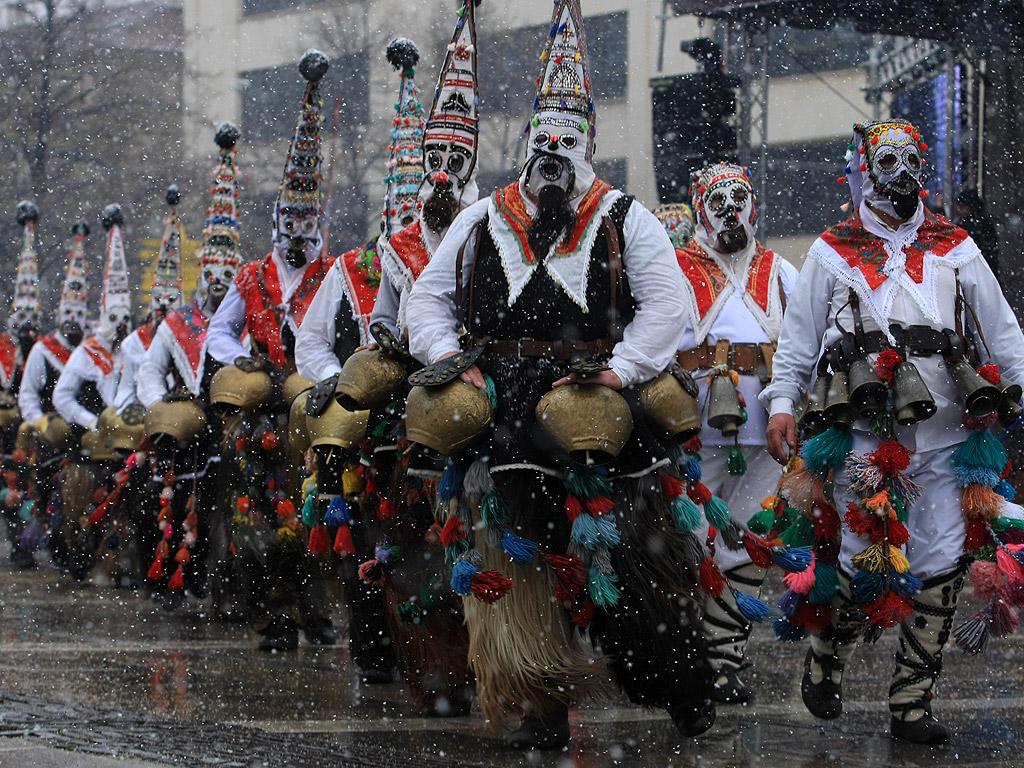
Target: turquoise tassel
x: 717, y: 513
x: 800, y: 533
x: 826, y: 583
x: 607, y: 531
x: 309, y: 517
x: 494, y: 512
x: 586, y: 483
x: 452, y: 552
x: 827, y: 451
x: 980, y: 449
x: 603, y: 589
x: 685, y: 514
x: 584, y: 532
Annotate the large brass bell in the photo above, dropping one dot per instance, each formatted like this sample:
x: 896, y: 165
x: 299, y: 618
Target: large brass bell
x: 668, y: 404
x: 233, y: 390
x: 868, y: 394
x: 54, y: 430
x: 589, y: 422
x: 724, y: 411
x: 813, y: 421
x: 123, y: 431
x: 369, y: 379
x: 448, y: 418
x: 9, y: 414
x: 980, y: 397
x: 337, y: 426
x: 298, y: 436
x: 911, y: 399
x: 175, y: 421
x: 838, y: 408
x: 294, y: 385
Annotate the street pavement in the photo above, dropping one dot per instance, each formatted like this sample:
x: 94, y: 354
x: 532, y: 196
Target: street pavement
x: 99, y: 677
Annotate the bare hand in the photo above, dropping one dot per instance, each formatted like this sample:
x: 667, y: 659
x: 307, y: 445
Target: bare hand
x: 373, y: 346
x: 471, y: 375
x: 607, y: 378
x: 781, y: 436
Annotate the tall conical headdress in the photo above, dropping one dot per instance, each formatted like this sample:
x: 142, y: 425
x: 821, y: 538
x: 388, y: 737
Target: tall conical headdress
x: 25, y: 307
x: 564, y: 100
x: 74, y: 295
x: 166, y: 291
x: 221, y: 231
x: 116, y: 291
x: 453, y: 127
x: 299, y: 204
x: 405, y: 167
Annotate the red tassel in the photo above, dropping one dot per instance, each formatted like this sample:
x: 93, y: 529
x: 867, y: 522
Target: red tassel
x: 385, y: 510
x: 671, y: 487
x: 813, y: 617
x: 990, y: 373
x: 99, y: 513
x: 826, y: 522
x: 371, y: 572
x: 1008, y: 565
x: 570, y: 576
x: 862, y: 523
x: 156, y: 570
x: 710, y: 579
x: 977, y: 536
x: 889, y: 610
x: 699, y: 493
x: 890, y: 457
x: 318, y: 541
x: 584, y: 615
x: 758, y: 552
x: 898, y: 533
x: 573, y: 508
x: 343, y: 544
x: 452, y: 531
x: 177, y: 581
x: 490, y: 586
x: 599, y: 506
x: 693, y: 445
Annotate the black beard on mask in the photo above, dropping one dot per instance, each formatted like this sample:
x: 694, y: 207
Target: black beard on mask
x: 295, y: 254
x: 25, y: 341
x: 439, y: 210
x: 904, y: 205
x: 554, y: 216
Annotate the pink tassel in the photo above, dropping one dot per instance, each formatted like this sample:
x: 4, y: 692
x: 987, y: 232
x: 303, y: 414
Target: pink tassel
x: 801, y: 582
x: 986, y: 578
x: 1010, y: 567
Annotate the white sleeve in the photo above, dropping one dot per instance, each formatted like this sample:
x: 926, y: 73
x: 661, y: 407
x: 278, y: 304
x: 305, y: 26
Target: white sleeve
x: 789, y: 275
x: 803, y: 328
x: 223, y: 339
x: 649, y: 342
x: 33, y: 379
x: 431, y: 311
x: 70, y: 381
x: 385, y: 307
x: 998, y: 323
x: 151, y: 379
x: 314, y: 343
x: 130, y: 359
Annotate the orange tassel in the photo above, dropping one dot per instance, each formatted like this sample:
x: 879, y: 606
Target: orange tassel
x: 162, y: 549
x: 191, y: 521
x: 183, y: 556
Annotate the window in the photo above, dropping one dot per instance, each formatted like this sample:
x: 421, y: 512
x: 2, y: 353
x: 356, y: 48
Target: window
x: 802, y: 195
x: 250, y: 7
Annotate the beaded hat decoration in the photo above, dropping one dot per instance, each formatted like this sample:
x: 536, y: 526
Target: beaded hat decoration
x: 221, y: 231
x: 74, y: 294
x: 116, y: 289
x: 677, y: 218
x: 25, y: 307
x: 453, y: 127
x: 299, y: 203
x: 405, y: 166
x: 165, y: 293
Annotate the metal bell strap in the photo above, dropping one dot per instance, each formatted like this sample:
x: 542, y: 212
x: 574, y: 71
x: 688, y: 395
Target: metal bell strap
x: 868, y: 393
x: 725, y: 412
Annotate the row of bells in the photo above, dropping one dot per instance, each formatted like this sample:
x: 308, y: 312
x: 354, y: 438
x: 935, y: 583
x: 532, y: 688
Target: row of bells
x: 840, y: 397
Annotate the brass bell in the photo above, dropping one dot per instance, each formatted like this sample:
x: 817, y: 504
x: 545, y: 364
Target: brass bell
x: 177, y: 421
x: 448, y: 418
x: 294, y: 385
x: 123, y: 431
x: 336, y: 426
x: 911, y: 399
x: 232, y: 389
x: 298, y: 436
x: 10, y: 416
x: 26, y: 437
x: 838, y: 408
x: 667, y: 403
x: 54, y: 430
x: 589, y: 422
x: 868, y: 394
x: 1011, y: 390
x: 724, y: 412
x: 369, y: 379
x: 813, y: 421
x: 980, y: 397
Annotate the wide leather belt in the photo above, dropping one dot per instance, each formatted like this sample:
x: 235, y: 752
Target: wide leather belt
x: 552, y: 350
x: 918, y: 340
x: 742, y: 358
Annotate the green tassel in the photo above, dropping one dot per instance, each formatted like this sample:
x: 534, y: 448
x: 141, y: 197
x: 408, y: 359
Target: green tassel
x: 309, y: 516
x: 799, y: 534
x: 827, y: 451
x: 452, y: 552
x: 603, y: 589
x: 826, y: 583
x: 494, y: 512
x: 762, y: 522
x: 586, y: 483
x: 1001, y: 524
x: 981, y: 449
x: 685, y: 514
x: 717, y: 513
x: 737, y: 465
x: 898, y: 507
x: 491, y: 391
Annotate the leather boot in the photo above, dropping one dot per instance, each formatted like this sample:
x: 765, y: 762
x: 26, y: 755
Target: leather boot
x: 822, y: 685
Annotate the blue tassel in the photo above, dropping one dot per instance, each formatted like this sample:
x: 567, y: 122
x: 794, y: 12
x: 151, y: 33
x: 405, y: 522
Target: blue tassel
x: 603, y: 589
x: 584, y: 532
x: 519, y: 549
x: 717, y: 513
x: 451, y: 483
x: 607, y: 531
x: 751, y: 608
x: 462, y: 577
x: 826, y: 583
x: 905, y: 585
x: 792, y: 559
x: 1005, y: 490
x: 970, y: 475
x: 337, y: 512
x: 827, y: 451
x: 790, y: 602
x: 866, y: 586
x: 787, y: 631
x: 690, y: 469
x: 309, y: 511
x: 685, y: 514
x: 980, y: 449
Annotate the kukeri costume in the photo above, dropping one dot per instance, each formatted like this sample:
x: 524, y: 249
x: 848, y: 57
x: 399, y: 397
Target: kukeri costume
x: 904, y: 310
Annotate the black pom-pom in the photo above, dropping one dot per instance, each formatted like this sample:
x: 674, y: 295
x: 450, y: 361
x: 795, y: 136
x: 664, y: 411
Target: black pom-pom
x: 314, y: 65
x: 173, y: 195
x: 112, y: 215
x: 402, y: 53
x: 26, y: 211
x: 227, y: 135
x: 80, y: 228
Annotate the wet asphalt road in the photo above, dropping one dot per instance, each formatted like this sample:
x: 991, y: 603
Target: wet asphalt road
x: 95, y: 677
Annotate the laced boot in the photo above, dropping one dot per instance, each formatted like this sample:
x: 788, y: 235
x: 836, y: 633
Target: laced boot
x: 726, y: 633
x: 831, y: 649
x: 919, y: 661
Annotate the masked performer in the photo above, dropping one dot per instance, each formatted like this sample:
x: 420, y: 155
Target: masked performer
x: 573, y: 287
x: 905, y: 310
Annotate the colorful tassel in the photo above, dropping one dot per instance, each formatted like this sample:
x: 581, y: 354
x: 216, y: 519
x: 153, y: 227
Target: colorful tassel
x: 710, y: 578
x: 717, y: 513
x: 177, y: 581
x: 603, y: 589
x: 343, y: 544
x: 736, y: 464
x: 751, y: 608
x: 337, y: 512
x: 490, y: 586
x: 318, y: 541
x: 686, y: 515
x: 519, y: 549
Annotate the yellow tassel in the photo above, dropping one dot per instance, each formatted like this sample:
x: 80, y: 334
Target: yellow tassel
x: 872, y: 559
x: 351, y: 484
x: 898, y: 560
